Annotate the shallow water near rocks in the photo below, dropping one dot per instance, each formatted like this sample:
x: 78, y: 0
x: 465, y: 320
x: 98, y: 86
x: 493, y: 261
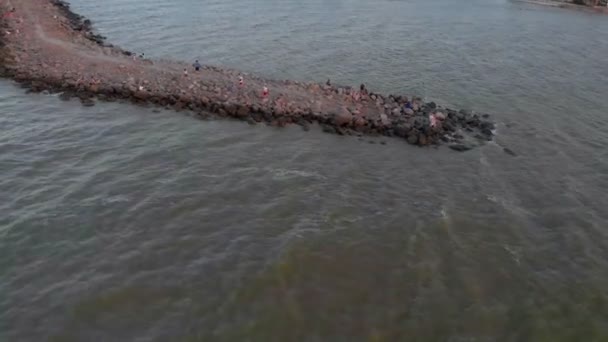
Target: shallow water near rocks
x: 123, y: 223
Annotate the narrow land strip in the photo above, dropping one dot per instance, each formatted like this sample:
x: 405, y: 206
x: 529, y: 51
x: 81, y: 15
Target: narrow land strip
x: 46, y: 47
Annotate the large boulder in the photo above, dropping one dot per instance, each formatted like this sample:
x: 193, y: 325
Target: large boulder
x: 343, y: 117
x: 242, y: 112
x: 231, y: 109
x: 422, y: 140
x: 360, y: 122
x: 385, y: 120
x: 412, y: 136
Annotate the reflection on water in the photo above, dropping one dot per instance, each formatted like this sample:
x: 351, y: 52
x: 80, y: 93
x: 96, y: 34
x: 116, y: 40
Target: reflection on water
x: 118, y: 223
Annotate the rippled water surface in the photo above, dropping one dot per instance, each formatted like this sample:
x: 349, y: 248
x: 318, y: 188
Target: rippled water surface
x: 123, y: 223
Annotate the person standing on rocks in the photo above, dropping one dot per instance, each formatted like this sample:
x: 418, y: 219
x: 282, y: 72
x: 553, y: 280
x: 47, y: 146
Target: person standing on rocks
x: 185, y: 72
x: 363, y: 90
x: 9, y: 13
x: 197, y: 65
x: 241, y: 81
x: 265, y: 92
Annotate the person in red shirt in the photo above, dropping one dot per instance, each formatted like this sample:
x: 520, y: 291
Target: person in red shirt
x: 9, y: 13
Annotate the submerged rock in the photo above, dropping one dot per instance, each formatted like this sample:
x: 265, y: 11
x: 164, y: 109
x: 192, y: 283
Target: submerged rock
x: 461, y: 147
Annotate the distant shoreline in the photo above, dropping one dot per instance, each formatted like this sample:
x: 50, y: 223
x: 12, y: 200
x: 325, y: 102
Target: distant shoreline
x: 568, y: 5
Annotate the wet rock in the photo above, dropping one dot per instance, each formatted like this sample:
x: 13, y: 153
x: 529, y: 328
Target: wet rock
x: 359, y: 122
x: 408, y: 111
x: 465, y: 112
x: 431, y: 105
x: 483, y: 137
x: 402, y: 130
x: 461, y: 147
x: 412, y: 137
x: 87, y: 102
x: 486, y: 125
x: 423, y: 140
x: 328, y: 129
x: 65, y: 96
x: 509, y: 151
x: 141, y: 95
x: 488, y: 133
x: 242, y: 112
x: 448, y: 126
x: 230, y: 108
x: 343, y: 118
x: 473, y: 122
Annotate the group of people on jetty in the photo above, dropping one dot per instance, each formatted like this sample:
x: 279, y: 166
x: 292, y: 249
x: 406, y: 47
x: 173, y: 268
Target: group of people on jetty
x: 241, y: 81
x: 356, y: 96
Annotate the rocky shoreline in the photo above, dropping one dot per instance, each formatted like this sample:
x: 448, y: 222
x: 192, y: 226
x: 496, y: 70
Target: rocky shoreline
x: 47, y: 48
x: 583, y: 5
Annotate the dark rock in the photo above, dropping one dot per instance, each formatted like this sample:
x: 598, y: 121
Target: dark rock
x: 402, y: 130
x: 65, y: 96
x: 341, y: 131
x: 87, y: 102
x: 423, y: 140
x: 483, y: 137
x: 488, y: 133
x: 431, y: 105
x: 231, y: 109
x: 412, y: 137
x: 464, y: 112
x: 461, y: 147
x: 509, y: 151
x: 242, y: 112
x: 141, y: 95
x: 486, y: 125
x: 328, y: 129
x: 448, y: 126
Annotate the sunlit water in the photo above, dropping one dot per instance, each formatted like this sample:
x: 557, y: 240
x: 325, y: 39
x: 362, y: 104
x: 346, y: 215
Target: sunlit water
x: 120, y: 223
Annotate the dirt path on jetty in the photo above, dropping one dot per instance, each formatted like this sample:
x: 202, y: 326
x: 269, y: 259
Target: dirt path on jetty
x: 46, y: 47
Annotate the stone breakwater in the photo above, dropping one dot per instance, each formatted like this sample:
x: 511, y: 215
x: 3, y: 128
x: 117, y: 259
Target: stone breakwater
x: 47, y: 48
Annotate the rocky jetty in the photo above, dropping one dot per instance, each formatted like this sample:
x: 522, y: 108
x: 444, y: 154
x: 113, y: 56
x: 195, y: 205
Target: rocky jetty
x: 46, y: 47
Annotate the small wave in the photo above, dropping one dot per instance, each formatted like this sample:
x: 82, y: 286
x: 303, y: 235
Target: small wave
x: 286, y: 173
x: 115, y: 199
